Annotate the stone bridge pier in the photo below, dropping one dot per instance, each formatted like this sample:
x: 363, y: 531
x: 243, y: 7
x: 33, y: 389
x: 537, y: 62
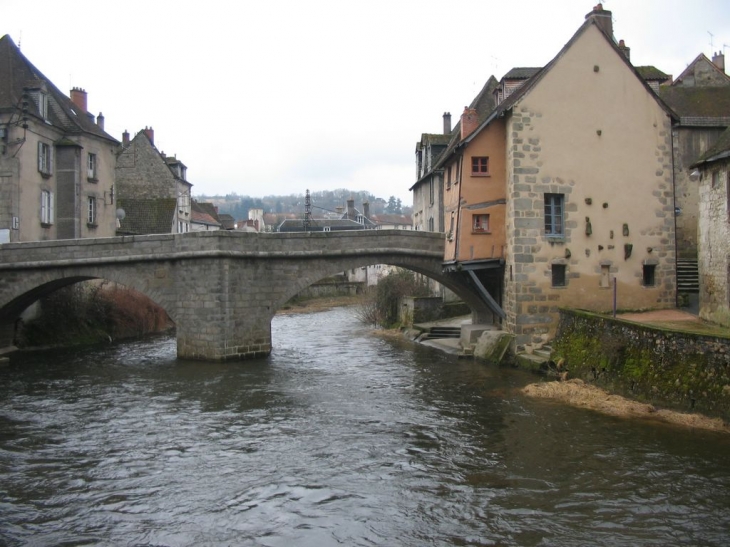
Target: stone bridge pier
x: 220, y: 288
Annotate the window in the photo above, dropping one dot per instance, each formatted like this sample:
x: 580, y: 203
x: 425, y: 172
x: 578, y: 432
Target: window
x: 448, y: 177
x: 480, y: 166
x: 43, y: 105
x: 649, y: 275
x: 558, y: 275
x: 91, y: 167
x: 327, y: 229
x: 554, y: 205
x: 46, y: 207
x: 45, y: 158
x: 430, y: 191
x: 480, y: 223
x: 715, y: 178
x: 91, y: 211
x: 430, y: 225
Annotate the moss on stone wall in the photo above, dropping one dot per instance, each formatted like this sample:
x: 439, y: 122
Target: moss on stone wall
x: 680, y: 370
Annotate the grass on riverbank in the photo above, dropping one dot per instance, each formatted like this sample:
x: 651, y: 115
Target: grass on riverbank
x: 577, y: 393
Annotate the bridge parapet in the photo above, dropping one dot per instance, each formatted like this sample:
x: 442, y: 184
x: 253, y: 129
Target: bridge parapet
x: 221, y: 288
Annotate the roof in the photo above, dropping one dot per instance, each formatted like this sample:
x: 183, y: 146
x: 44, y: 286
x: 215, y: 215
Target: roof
x: 318, y: 225
x: 522, y: 91
x: 207, y: 208
x: 652, y: 73
x: 720, y: 150
x: 384, y: 219
x: 698, y: 105
x: 521, y: 73
x: 201, y: 215
x: 147, y: 216
x: 18, y: 73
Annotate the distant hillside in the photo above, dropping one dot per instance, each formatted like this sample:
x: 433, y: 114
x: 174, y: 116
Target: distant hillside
x: 322, y: 202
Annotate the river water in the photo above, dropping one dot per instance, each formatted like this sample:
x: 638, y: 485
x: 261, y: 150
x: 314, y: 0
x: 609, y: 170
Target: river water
x: 338, y: 438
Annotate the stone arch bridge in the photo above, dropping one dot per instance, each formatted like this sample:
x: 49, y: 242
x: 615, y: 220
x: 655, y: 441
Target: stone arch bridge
x: 220, y: 288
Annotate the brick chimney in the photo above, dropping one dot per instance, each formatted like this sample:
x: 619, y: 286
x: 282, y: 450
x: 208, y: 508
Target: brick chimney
x: 447, y: 123
x: 366, y: 209
x: 150, y: 134
x: 469, y: 122
x: 626, y: 50
x: 718, y: 59
x: 100, y: 121
x: 602, y: 18
x: 78, y: 97
x: 125, y: 138
x: 351, y: 209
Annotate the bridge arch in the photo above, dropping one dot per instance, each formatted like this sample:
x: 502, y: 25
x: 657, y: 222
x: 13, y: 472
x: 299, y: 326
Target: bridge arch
x: 221, y: 288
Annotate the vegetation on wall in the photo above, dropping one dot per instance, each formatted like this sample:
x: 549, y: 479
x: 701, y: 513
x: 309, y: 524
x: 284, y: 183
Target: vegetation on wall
x: 380, y: 305
x: 92, y: 312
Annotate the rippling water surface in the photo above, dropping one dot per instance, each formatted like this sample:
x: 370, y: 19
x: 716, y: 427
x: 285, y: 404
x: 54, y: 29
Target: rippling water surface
x: 339, y: 438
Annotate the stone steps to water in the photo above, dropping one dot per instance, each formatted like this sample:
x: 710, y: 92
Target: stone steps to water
x: 444, y: 332
x: 688, y: 277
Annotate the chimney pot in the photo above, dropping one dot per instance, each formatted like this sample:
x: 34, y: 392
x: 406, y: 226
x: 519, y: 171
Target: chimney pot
x: 150, y: 134
x: 447, y: 123
x: 602, y: 18
x: 718, y: 59
x: 79, y: 97
x: 469, y: 122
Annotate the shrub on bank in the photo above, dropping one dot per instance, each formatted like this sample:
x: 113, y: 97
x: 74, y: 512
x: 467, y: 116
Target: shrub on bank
x: 91, y: 312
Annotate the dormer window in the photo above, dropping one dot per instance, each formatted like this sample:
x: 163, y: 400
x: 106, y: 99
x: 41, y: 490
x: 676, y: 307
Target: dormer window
x: 43, y: 105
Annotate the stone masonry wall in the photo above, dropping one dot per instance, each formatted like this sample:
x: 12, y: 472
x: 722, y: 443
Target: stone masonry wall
x: 686, y: 371
x: 714, y: 255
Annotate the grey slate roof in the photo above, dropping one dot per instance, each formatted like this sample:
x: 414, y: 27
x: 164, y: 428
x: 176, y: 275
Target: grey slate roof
x: 318, y: 225
x: 17, y: 72
x: 147, y: 216
x: 702, y: 106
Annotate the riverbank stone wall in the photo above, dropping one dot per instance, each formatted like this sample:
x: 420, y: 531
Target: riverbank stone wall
x: 681, y: 370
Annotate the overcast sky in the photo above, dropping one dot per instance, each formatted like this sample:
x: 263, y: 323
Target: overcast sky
x: 276, y: 96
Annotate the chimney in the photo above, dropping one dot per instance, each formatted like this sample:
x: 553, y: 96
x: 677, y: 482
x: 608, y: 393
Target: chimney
x: 469, y: 122
x: 339, y: 210
x: 447, y: 123
x: 718, y: 59
x: 626, y: 50
x: 351, y: 209
x: 100, y: 121
x: 78, y: 97
x: 150, y: 134
x: 602, y: 18
x: 125, y: 138
x: 366, y: 209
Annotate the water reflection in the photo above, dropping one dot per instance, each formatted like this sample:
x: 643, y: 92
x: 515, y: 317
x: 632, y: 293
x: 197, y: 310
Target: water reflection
x: 337, y: 438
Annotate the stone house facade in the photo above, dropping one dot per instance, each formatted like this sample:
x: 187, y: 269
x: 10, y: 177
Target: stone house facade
x: 572, y: 173
x: 428, y: 199
x: 714, y: 231
x: 145, y: 173
x: 56, y: 160
x: 700, y: 96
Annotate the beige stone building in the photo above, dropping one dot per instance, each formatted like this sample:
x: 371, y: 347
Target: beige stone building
x: 56, y: 160
x: 564, y: 190
x: 714, y: 231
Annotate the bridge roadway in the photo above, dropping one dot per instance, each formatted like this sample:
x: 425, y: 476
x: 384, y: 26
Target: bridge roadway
x: 220, y: 288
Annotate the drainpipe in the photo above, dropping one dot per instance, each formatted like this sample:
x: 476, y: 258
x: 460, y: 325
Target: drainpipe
x: 674, y: 213
x: 458, y: 207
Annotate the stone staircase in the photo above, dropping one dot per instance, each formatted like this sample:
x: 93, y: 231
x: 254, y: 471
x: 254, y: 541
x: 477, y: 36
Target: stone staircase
x: 537, y: 359
x: 443, y: 332
x: 688, y: 278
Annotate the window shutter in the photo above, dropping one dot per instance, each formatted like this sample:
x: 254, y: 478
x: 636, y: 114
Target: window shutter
x: 50, y: 207
x: 40, y: 156
x: 50, y: 159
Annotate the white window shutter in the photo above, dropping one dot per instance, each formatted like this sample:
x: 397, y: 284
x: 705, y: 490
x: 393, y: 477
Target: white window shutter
x: 50, y: 159
x: 40, y: 156
x: 50, y: 207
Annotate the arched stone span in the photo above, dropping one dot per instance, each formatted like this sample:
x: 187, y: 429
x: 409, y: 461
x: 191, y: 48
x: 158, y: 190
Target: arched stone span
x: 220, y: 288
